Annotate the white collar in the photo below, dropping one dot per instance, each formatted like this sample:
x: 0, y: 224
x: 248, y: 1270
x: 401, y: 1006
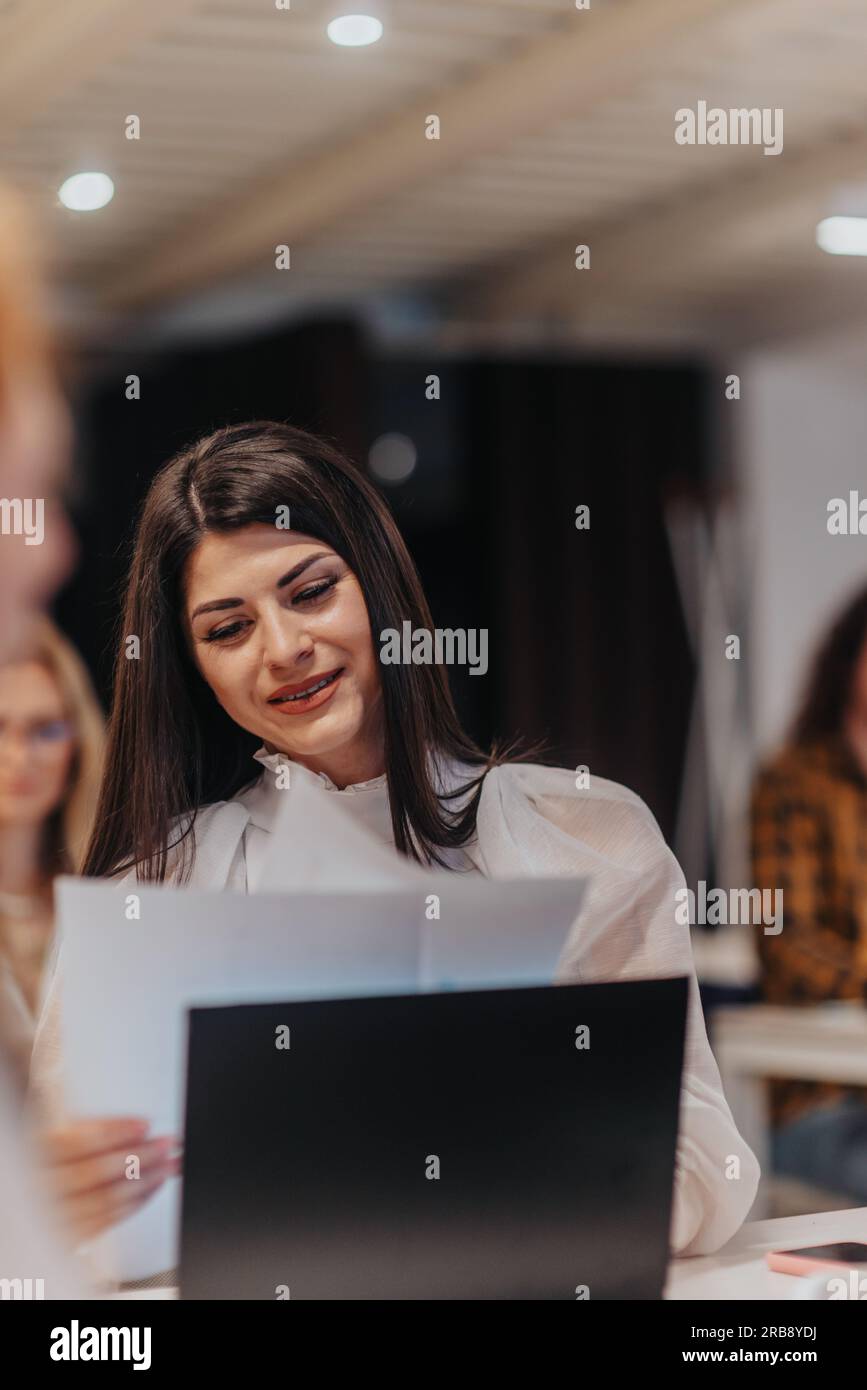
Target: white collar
x: 262, y: 798
x: 277, y: 762
x: 369, y: 799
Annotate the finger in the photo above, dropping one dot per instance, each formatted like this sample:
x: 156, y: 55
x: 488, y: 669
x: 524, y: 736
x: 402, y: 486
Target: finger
x: 81, y: 1138
x: 93, y: 1212
x: 101, y: 1170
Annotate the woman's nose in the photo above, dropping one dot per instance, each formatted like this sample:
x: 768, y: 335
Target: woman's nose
x: 15, y: 751
x: 285, y: 640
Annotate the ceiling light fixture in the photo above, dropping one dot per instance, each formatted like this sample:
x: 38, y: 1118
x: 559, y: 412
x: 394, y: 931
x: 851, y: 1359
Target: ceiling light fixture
x: 843, y: 236
x: 86, y: 192
x: 354, y: 30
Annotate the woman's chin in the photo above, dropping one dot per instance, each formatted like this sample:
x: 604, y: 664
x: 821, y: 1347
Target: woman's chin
x: 309, y: 736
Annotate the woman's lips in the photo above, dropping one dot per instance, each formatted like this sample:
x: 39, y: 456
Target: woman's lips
x: 300, y: 704
x: 19, y: 789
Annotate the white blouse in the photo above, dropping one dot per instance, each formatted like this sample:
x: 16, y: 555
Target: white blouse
x: 533, y: 821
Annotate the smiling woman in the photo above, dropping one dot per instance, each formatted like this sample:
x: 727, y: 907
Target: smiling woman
x: 251, y: 634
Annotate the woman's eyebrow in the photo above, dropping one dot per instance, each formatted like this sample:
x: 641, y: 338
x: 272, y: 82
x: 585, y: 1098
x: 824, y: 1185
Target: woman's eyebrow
x: 217, y: 605
x: 300, y: 568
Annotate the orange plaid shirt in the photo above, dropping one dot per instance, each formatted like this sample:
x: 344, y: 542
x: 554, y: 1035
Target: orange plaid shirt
x: 809, y: 838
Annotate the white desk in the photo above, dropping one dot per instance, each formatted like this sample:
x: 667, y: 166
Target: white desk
x: 827, y: 1042
x: 739, y: 1271
x: 736, y: 1272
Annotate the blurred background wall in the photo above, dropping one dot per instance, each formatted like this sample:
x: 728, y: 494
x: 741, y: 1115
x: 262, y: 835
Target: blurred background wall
x: 802, y: 440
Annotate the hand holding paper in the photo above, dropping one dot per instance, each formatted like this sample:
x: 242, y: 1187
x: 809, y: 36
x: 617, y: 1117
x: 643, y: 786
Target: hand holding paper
x: 343, y: 917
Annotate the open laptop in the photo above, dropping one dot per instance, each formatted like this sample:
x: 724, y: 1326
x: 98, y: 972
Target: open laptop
x: 493, y: 1144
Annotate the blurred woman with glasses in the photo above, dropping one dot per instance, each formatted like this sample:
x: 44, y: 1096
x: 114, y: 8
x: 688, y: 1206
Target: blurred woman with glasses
x: 51, y: 737
x: 35, y: 434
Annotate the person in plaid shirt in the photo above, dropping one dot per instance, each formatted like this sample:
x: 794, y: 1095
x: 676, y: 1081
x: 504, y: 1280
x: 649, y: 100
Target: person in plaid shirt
x: 809, y: 838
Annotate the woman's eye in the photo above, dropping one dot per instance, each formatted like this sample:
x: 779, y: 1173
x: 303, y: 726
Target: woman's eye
x: 315, y: 591
x: 311, y: 594
x: 51, y: 730
x: 220, y: 633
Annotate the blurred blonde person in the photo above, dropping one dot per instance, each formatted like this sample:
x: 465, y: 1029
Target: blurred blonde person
x: 34, y: 438
x: 82, y: 1164
x: 51, y: 744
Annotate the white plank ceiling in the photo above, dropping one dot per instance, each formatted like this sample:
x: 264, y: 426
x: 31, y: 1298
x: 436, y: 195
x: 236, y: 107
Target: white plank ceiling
x: 557, y: 128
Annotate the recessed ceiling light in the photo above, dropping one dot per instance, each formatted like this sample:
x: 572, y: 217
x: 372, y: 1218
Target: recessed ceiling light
x: 843, y: 236
x: 354, y: 30
x: 86, y: 192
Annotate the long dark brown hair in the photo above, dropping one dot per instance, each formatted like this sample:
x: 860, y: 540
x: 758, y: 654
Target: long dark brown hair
x: 171, y: 746
x: 829, y: 686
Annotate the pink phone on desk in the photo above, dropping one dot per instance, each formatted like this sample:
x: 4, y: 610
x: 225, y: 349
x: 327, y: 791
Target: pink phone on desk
x: 812, y: 1259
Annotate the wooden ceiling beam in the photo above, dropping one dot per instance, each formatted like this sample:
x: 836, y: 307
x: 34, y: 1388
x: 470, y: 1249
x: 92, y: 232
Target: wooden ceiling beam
x: 47, y: 51
x: 643, y: 255
x: 606, y: 51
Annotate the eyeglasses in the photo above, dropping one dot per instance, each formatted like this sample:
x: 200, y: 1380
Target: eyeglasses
x: 41, y: 737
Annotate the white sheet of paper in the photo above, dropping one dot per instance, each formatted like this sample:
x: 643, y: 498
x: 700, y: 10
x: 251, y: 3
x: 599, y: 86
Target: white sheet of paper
x: 359, y: 920
x: 128, y: 984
